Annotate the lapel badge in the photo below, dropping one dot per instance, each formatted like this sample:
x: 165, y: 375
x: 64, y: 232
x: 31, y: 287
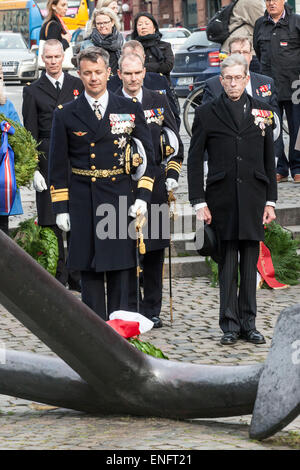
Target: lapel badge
x: 60, y: 106
x: 75, y: 94
x: 79, y: 133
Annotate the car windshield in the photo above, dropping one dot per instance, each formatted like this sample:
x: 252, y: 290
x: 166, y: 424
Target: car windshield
x: 198, y: 39
x: 12, y: 41
x: 174, y: 34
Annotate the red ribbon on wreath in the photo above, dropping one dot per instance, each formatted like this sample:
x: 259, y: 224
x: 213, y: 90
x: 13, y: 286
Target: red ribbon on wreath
x: 266, y: 269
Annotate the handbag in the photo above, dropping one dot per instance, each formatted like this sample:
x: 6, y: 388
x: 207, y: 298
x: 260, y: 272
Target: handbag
x: 67, y: 62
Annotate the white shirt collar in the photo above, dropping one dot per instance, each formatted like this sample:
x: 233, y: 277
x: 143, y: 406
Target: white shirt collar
x: 102, y: 101
x: 54, y: 80
x: 139, y: 96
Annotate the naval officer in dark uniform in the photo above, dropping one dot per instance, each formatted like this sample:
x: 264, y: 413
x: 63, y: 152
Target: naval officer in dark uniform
x: 152, y: 80
x: 94, y: 136
x: 40, y: 99
x: 241, y: 190
x: 161, y: 123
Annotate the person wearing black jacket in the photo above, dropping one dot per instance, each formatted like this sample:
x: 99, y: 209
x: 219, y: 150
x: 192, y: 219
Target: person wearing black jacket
x: 159, y: 57
x: 240, y: 192
x: 53, y: 26
x: 52, y: 90
x: 160, y: 119
x: 276, y: 41
x: 152, y: 80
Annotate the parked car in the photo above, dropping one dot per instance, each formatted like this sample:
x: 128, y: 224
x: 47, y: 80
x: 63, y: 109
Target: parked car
x: 18, y: 62
x: 175, y: 36
x: 196, y: 60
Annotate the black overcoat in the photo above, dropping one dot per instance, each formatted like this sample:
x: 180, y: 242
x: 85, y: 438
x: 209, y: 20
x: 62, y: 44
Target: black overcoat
x: 97, y: 205
x: 39, y: 102
x: 241, y: 169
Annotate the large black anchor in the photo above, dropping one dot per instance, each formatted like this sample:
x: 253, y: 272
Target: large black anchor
x: 100, y: 372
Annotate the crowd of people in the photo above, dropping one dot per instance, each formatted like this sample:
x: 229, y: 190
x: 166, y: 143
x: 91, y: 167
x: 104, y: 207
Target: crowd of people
x: 111, y: 138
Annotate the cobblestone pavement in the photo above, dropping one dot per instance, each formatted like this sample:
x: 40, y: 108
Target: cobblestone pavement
x: 193, y: 337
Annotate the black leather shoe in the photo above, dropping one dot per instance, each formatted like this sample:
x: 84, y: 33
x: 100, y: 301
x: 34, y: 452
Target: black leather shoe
x: 157, y: 322
x: 75, y: 285
x: 253, y: 336
x: 229, y: 338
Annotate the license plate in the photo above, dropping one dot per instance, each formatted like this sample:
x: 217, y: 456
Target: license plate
x: 185, y: 81
x: 8, y: 68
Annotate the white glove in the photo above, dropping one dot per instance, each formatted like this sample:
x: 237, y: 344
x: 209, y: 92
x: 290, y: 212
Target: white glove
x: 139, y: 206
x: 39, y: 182
x: 63, y: 222
x: 171, y: 184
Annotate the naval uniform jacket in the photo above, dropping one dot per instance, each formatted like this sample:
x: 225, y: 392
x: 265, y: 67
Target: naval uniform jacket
x: 39, y: 102
x: 78, y: 138
x: 241, y: 169
x: 156, y: 102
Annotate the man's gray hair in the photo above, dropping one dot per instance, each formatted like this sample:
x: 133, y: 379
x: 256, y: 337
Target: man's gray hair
x: 53, y: 43
x: 133, y: 44
x: 232, y: 60
x: 92, y: 54
x: 241, y: 39
x: 132, y: 56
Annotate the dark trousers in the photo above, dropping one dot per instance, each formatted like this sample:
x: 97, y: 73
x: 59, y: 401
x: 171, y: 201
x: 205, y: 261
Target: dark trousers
x: 238, y: 306
x: 152, y: 280
x: 63, y: 274
x: 292, y: 112
x: 117, y: 286
x: 4, y: 223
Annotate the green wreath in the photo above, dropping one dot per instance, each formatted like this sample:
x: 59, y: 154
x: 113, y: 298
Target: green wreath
x: 39, y: 242
x: 147, y: 348
x: 25, y: 150
x: 284, y: 255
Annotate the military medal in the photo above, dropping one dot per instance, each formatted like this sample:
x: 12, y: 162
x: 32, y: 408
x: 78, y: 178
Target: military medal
x: 262, y: 118
x: 122, y: 123
x: 154, y: 115
x: 122, y: 142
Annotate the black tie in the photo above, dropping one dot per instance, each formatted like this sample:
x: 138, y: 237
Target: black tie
x: 57, y: 88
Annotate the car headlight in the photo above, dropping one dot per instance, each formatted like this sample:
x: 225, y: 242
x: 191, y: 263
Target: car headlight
x: 29, y: 61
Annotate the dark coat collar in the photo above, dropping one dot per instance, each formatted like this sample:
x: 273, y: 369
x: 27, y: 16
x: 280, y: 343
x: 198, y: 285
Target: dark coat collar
x: 221, y: 110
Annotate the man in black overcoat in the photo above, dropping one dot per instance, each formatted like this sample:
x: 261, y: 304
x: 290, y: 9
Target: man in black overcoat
x: 94, y: 136
x: 240, y: 194
x: 259, y: 86
x: 160, y: 119
x: 40, y: 99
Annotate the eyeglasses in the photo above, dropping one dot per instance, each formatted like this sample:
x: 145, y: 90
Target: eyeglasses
x: 241, y: 52
x: 105, y: 23
x: 237, y: 78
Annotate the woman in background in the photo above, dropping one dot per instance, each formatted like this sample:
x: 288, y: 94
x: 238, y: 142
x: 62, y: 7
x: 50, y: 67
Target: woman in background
x: 105, y: 33
x: 54, y: 26
x: 159, y: 57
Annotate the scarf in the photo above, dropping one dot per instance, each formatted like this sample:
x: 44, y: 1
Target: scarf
x: 150, y: 42
x: 110, y: 42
